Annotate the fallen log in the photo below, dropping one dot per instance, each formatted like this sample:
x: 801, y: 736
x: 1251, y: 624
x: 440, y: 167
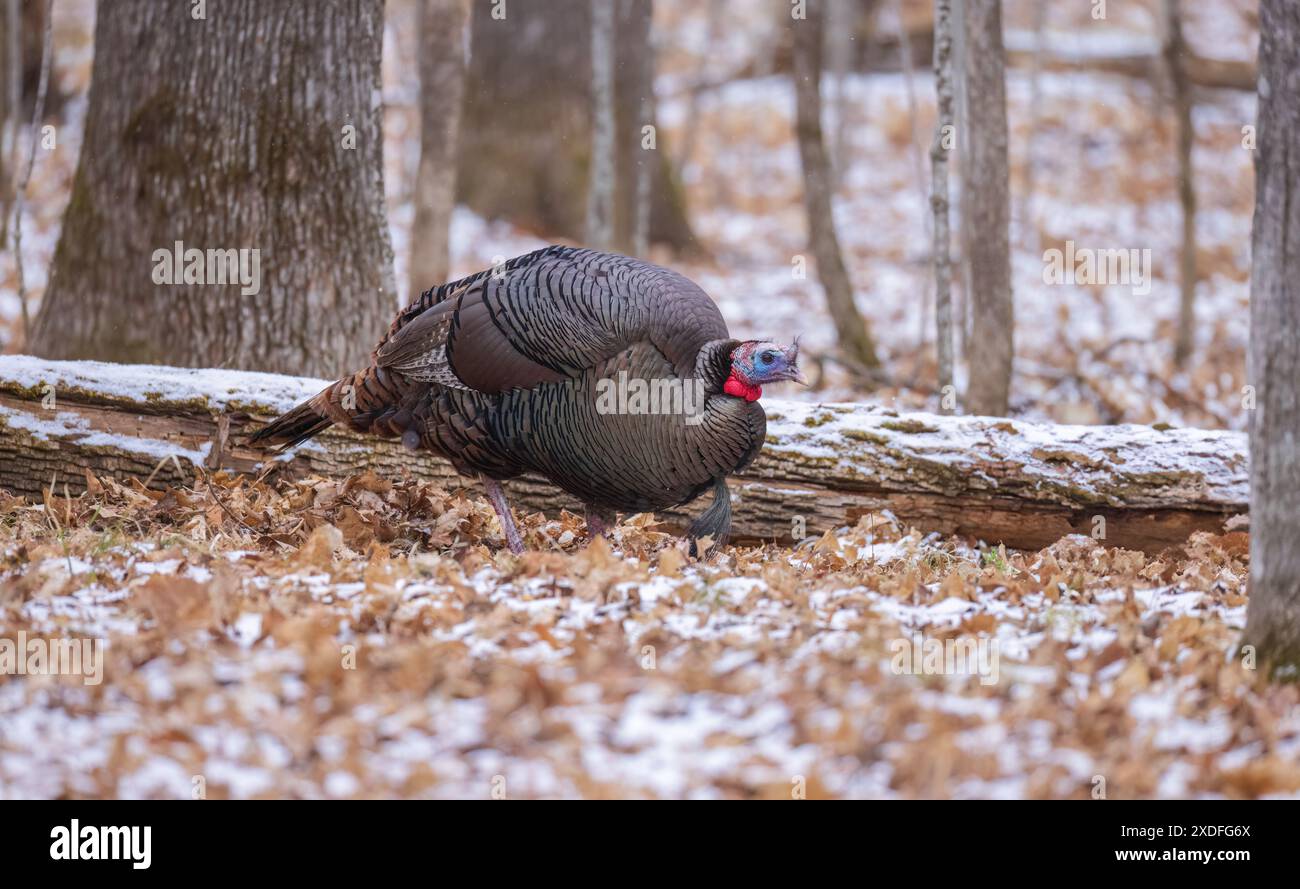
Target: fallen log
x: 877, y: 51
x: 824, y: 466
x: 1202, y: 71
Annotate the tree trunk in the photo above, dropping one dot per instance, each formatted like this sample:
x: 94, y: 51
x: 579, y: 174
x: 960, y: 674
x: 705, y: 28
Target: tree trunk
x: 10, y: 103
x: 642, y: 64
x: 841, y: 23
x: 526, y: 136
x: 855, y: 340
x: 917, y: 153
x: 243, y: 145
x: 25, y: 176
x: 988, y: 201
x: 690, y: 128
x: 1273, y: 620
x: 600, y: 179
x: 961, y: 115
x: 444, y: 26
x: 944, y: 135
x: 1028, y: 224
x: 823, y: 466
x: 22, y: 34
x: 918, y: 161
x: 1173, y: 51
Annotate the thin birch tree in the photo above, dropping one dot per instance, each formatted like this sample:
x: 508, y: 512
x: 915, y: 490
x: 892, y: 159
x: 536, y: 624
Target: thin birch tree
x: 986, y: 195
x: 856, y: 344
x: 942, y: 144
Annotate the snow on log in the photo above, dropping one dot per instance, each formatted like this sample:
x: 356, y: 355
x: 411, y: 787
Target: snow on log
x: 825, y: 465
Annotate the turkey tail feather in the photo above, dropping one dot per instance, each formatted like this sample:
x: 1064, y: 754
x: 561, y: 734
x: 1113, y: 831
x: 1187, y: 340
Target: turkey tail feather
x: 714, y: 522
x: 354, y: 401
x: 292, y: 428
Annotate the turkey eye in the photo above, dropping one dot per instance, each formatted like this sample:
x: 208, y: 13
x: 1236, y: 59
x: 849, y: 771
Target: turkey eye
x: 766, y: 358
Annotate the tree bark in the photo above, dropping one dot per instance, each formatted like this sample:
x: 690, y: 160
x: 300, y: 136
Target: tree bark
x: 444, y: 33
x: 526, y: 137
x: 988, y: 201
x: 944, y: 135
x: 1273, y: 619
x: 854, y: 336
x: 256, y: 128
x: 1173, y: 50
x: 823, y: 466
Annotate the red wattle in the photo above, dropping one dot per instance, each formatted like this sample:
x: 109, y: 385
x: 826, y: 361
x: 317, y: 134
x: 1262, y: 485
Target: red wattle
x: 740, y: 389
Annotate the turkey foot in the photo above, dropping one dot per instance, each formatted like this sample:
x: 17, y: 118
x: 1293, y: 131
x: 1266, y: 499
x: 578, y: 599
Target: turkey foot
x: 497, y: 497
x: 598, y: 521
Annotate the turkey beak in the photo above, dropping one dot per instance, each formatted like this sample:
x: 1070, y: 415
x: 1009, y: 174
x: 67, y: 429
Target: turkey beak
x: 792, y: 364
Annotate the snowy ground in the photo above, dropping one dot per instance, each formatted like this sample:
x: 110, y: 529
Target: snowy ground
x: 398, y: 651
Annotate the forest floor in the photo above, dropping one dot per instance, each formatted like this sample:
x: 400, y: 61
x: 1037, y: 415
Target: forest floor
x: 371, y: 638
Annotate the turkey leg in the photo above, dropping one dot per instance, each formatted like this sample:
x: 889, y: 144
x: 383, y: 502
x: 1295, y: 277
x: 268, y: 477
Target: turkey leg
x: 497, y: 497
x: 714, y: 522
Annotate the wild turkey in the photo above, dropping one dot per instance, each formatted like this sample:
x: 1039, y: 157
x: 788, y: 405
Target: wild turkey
x: 518, y: 369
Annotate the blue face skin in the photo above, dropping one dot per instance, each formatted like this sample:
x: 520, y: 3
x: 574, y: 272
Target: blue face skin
x: 762, y: 362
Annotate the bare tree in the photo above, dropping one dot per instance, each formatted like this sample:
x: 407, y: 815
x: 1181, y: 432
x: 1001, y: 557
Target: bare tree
x: 841, y: 20
x: 690, y: 129
x: 642, y: 62
x: 909, y: 87
x: 444, y: 35
x: 1173, y: 50
x: 20, y: 191
x: 1273, y: 618
x: 600, y: 182
x: 944, y: 134
x: 962, y: 304
x: 10, y: 112
x: 1028, y: 224
x: 914, y: 149
x: 987, y: 197
x: 856, y: 344
x: 228, y: 206
x: 526, y: 134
